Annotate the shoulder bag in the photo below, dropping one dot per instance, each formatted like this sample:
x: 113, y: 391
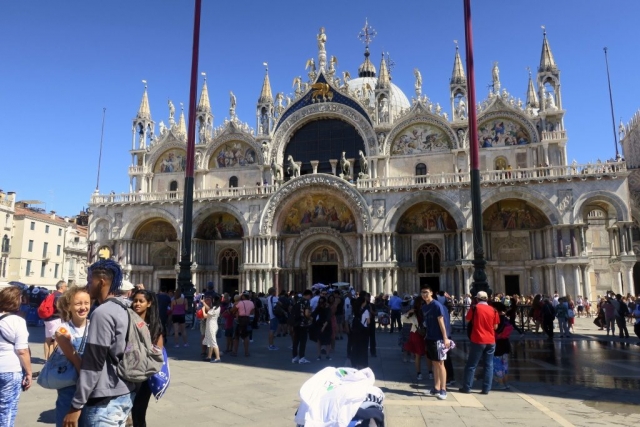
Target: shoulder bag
x: 58, y: 372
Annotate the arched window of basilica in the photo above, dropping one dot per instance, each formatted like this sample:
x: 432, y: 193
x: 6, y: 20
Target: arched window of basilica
x: 228, y: 263
x: 428, y: 259
x: 421, y: 169
x: 323, y: 140
x: 173, y: 186
x: 500, y: 164
x: 233, y: 182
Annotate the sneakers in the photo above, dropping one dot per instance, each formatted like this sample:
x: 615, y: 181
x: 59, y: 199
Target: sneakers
x: 434, y: 392
x: 419, y: 378
x: 251, y: 340
x: 273, y: 347
x: 303, y: 361
x: 430, y: 375
x: 318, y: 358
x: 328, y: 357
x: 464, y: 390
x: 295, y: 360
x: 450, y: 383
x: 442, y: 395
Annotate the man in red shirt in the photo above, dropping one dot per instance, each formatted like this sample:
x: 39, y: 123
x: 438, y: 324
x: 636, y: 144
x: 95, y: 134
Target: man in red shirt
x: 484, y: 320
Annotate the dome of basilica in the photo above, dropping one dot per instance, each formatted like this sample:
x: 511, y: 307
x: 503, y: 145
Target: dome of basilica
x: 363, y: 89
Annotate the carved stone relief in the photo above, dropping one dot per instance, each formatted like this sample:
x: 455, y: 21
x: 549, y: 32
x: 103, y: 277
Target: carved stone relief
x: 379, y: 208
x: 565, y: 200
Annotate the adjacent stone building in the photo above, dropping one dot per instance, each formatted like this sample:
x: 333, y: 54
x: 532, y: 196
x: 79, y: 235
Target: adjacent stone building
x: 350, y: 180
x: 39, y: 248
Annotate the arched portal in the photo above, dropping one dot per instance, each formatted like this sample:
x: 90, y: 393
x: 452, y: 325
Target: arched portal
x: 155, y: 242
x: 323, y: 140
x: 517, y: 232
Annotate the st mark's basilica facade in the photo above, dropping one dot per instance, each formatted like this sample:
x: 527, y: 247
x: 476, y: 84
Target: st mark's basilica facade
x: 347, y: 179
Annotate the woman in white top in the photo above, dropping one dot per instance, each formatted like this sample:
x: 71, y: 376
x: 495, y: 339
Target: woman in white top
x: 15, y: 362
x: 212, y: 314
x: 74, y: 306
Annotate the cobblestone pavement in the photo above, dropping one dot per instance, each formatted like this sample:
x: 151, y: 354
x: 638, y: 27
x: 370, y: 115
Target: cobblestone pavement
x: 589, y: 379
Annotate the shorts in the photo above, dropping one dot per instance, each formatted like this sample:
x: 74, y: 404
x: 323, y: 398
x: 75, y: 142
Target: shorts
x: 178, y: 318
x: 580, y: 309
x: 50, y: 327
x: 228, y: 332
x: 242, y: 331
x: 273, y: 324
x: 432, y: 351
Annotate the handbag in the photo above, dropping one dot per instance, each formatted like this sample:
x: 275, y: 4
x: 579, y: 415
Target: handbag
x: 58, y: 372
x: 470, y: 324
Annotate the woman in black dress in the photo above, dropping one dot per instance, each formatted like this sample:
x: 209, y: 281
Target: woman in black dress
x: 322, y: 317
x: 360, y: 333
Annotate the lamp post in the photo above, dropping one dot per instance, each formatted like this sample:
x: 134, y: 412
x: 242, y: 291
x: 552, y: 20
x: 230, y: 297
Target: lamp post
x: 479, y: 263
x: 184, y: 277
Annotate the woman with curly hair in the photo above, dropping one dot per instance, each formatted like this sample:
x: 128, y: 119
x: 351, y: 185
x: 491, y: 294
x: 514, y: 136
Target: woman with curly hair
x: 73, y: 306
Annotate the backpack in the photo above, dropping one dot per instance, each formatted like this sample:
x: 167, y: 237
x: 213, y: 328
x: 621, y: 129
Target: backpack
x: 279, y: 311
x: 504, y: 329
x: 141, y: 359
x: 46, y: 308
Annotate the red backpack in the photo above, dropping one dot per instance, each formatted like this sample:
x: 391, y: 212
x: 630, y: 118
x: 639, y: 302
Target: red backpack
x: 47, y: 308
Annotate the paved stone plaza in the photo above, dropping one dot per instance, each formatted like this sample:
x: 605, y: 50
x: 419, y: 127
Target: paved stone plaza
x: 587, y: 380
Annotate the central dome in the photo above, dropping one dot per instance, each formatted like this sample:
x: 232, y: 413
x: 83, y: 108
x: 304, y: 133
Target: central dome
x: 398, y: 101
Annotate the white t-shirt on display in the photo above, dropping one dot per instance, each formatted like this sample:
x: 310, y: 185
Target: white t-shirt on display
x: 363, y: 319
x: 14, y: 329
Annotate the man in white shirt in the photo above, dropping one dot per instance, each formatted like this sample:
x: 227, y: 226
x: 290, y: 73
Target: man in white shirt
x: 556, y: 299
x: 272, y: 300
x: 314, y: 301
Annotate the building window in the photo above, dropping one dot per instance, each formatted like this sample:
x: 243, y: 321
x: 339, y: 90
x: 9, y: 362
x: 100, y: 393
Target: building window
x: 45, y: 248
x: 30, y: 249
x: 72, y: 267
x: 229, y: 263
x: 43, y: 268
x: 29, y: 268
x: 233, y: 182
x: 5, y: 243
x: 58, y: 250
x: 55, y: 271
x: 33, y: 225
x: 428, y: 259
x: 421, y: 169
x: 59, y: 231
x: 46, y: 229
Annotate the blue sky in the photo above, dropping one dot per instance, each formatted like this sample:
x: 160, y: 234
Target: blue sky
x: 62, y: 62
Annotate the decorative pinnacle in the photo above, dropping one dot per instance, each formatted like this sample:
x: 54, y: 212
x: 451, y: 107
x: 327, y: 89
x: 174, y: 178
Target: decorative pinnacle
x: 266, y: 67
x: 367, y: 33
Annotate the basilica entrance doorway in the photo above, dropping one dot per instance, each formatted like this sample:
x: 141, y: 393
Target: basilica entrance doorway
x: 167, y: 284
x: 325, y: 273
x: 433, y: 282
x: 512, y: 284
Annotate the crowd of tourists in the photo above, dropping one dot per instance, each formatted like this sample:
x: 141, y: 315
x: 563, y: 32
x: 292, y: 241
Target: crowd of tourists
x: 103, y: 349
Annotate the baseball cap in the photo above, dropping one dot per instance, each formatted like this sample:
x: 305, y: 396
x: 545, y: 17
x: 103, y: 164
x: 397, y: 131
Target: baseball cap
x: 482, y: 295
x: 126, y: 286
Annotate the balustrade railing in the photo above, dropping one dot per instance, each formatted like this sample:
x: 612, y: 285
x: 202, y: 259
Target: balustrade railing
x: 497, y: 177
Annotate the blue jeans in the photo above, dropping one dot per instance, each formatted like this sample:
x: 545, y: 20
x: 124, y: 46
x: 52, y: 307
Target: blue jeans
x: 477, y: 351
x: 114, y: 413
x: 63, y: 405
x: 10, y: 388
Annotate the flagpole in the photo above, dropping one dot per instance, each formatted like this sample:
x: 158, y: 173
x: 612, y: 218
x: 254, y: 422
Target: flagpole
x: 613, y: 119
x: 184, y: 277
x: 479, y: 262
x: 104, y: 113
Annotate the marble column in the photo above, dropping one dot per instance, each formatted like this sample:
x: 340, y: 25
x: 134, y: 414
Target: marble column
x: 586, y: 282
x: 314, y: 165
x: 365, y: 280
x: 576, y: 280
x: 630, y: 250
x: 628, y: 271
x: 560, y: 280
